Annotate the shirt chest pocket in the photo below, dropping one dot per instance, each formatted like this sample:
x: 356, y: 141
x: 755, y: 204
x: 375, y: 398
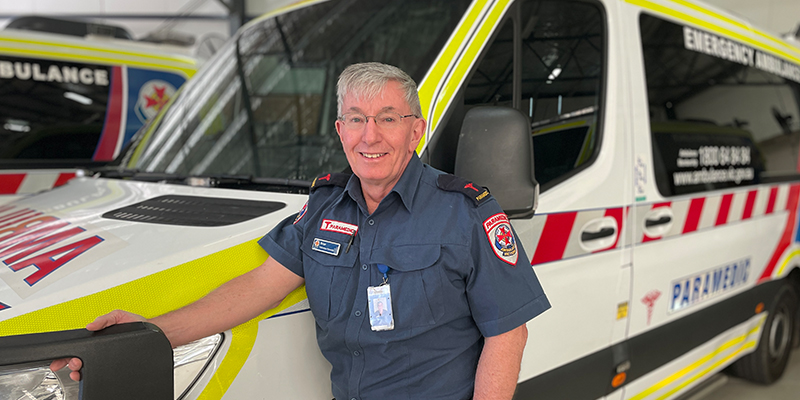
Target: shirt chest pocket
x: 416, y: 283
x: 327, y: 276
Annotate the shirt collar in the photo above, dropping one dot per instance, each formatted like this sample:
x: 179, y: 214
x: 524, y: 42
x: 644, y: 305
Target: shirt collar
x: 406, y: 187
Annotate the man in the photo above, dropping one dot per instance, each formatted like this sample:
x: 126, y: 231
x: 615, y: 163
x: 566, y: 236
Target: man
x: 437, y: 249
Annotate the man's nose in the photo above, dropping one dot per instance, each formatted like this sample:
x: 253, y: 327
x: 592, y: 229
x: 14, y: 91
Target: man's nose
x: 371, y: 132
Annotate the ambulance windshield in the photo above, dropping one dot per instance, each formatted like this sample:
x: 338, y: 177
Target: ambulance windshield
x: 266, y: 106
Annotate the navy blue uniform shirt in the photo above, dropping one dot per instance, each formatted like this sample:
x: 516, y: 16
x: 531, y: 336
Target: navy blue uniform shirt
x: 451, y: 276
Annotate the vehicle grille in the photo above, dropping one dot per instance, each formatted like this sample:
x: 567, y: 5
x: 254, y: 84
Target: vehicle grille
x: 194, y: 211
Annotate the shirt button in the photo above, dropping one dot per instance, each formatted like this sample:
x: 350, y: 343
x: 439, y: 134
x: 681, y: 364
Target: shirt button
x: 372, y: 222
x: 353, y: 398
x: 356, y: 353
x: 364, y: 267
x: 358, y: 313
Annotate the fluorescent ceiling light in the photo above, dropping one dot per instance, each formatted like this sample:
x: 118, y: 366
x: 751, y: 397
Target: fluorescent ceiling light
x: 78, y: 98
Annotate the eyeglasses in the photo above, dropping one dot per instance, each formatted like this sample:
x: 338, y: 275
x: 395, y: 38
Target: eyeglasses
x: 385, y: 120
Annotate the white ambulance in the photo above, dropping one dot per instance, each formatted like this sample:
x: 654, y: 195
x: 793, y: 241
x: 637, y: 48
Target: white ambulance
x: 664, y: 143
x: 75, y: 101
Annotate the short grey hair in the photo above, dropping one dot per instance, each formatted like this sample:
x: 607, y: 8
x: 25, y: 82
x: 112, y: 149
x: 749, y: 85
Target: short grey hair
x: 366, y: 80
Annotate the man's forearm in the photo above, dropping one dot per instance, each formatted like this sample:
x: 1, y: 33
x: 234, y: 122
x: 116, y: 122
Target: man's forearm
x: 235, y: 302
x: 498, y: 367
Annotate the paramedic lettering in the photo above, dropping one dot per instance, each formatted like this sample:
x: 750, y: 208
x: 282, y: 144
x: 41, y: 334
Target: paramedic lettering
x: 419, y: 240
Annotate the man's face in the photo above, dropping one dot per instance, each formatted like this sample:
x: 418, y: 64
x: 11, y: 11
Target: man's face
x: 378, y: 156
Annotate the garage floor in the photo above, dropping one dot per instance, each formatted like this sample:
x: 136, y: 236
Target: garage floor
x: 788, y: 387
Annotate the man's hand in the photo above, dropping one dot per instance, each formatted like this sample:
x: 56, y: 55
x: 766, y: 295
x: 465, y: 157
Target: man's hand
x: 101, y: 322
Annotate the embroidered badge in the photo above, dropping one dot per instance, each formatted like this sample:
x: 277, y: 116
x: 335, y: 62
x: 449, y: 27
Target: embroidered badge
x: 498, y: 230
x: 326, y: 246
x: 301, y: 213
x: 338, y: 226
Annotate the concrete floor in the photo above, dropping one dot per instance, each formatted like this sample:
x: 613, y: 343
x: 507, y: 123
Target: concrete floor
x: 788, y: 387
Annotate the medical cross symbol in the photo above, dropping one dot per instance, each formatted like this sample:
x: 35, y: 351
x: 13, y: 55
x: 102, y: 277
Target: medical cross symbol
x: 503, y: 235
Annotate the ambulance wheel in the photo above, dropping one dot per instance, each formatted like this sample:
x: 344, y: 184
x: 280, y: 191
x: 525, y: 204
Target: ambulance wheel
x: 767, y: 363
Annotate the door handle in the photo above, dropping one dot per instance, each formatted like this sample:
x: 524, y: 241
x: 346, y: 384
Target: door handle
x: 604, y: 232
x: 664, y: 219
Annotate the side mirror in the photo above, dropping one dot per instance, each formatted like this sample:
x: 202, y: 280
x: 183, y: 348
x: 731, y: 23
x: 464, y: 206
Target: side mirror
x: 495, y: 150
x: 122, y: 362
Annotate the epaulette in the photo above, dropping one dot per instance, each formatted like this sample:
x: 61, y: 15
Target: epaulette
x: 452, y: 183
x: 337, y: 179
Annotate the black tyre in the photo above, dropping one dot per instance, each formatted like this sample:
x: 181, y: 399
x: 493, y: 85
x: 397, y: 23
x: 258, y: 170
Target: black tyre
x: 767, y: 363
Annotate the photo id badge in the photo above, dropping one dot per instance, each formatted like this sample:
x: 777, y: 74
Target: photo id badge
x: 380, y: 308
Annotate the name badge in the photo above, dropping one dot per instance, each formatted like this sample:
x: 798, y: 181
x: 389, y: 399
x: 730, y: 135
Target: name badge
x: 380, y: 308
x: 326, y: 246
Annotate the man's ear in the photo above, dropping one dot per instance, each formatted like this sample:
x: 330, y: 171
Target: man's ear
x: 418, y: 130
x: 338, y: 124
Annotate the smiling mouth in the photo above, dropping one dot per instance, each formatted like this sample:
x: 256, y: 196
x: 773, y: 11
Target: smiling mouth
x: 373, y: 155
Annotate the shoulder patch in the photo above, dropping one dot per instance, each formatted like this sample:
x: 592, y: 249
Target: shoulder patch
x: 452, y: 183
x: 332, y: 179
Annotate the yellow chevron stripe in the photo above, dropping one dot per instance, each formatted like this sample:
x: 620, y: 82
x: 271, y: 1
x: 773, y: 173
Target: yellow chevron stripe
x: 160, y: 293
x: 459, y: 73
x: 447, y: 57
x: 714, y: 27
x: 730, y: 21
x: 109, y: 58
x: 741, y: 341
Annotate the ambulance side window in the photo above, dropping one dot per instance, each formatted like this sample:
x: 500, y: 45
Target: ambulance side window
x: 561, y: 54
x: 720, y: 114
x: 51, y: 110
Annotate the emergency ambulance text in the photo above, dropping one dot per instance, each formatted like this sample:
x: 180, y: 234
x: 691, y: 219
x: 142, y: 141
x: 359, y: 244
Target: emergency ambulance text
x: 716, y: 46
x: 694, y: 289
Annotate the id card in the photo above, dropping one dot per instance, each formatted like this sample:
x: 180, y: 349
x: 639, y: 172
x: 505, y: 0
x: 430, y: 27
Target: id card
x: 380, y: 308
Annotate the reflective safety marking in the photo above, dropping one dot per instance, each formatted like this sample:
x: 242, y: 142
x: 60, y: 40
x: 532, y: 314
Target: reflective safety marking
x: 10, y: 183
x: 160, y: 293
x: 109, y: 56
x: 782, y: 49
x: 32, y: 182
x: 556, y: 235
x: 786, y: 237
x: 738, y: 344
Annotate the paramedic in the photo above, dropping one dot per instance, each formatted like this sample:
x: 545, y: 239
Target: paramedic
x: 438, y: 249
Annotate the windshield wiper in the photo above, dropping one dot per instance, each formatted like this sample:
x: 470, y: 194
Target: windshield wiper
x: 250, y: 183
x: 246, y: 182
x: 132, y: 173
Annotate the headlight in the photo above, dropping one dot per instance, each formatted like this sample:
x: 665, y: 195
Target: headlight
x: 36, y: 382
x: 190, y: 361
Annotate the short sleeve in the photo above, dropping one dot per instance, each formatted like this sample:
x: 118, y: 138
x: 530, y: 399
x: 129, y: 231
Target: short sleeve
x: 502, y: 288
x: 283, y: 243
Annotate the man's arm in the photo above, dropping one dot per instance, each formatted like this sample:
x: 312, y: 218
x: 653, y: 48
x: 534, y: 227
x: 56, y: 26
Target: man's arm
x: 235, y: 302
x: 498, y: 367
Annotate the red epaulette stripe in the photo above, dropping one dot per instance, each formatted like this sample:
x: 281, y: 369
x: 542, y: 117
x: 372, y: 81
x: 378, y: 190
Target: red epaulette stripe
x: 10, y: 183
x: 555, y: 236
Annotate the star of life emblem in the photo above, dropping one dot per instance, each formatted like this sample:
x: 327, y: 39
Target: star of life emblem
x: 153, y: 95
x: 498, y: 231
